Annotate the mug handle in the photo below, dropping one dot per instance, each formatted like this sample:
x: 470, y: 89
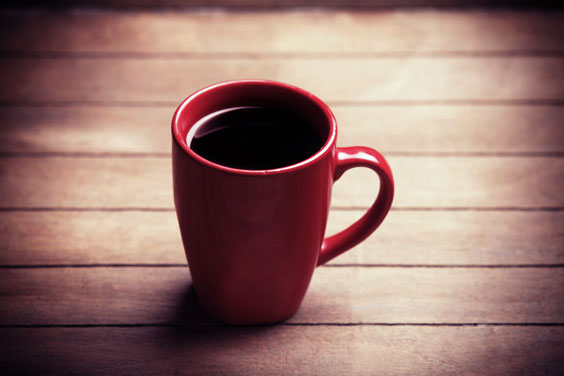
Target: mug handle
x: 347, y: 158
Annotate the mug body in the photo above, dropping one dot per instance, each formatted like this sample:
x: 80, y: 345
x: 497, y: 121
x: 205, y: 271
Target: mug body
x: 252, y: 237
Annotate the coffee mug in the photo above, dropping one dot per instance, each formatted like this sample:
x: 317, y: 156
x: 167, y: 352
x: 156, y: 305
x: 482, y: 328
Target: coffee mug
x: 253, y: 238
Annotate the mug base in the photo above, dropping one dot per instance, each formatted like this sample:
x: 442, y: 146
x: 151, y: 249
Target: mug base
x: 231, y: 317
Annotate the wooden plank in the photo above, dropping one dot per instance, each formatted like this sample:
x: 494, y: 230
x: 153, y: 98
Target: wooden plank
x: 457, y: 238
x: 280, y: 350
x: 453, y: 129
x: 346, y: 79
x: 311, y: 31
x: 405, y: 238
x: 86, y: 129
x: 145, y: 182
x: 81, y: 296
x: 407, y: 129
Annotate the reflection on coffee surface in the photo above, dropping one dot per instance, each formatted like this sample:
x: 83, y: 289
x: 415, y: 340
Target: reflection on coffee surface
x: 254, y: 138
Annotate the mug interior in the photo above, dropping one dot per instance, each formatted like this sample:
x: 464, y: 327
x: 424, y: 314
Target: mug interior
x: 259, y: 93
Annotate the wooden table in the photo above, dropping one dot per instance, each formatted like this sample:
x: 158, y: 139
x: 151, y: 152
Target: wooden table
x: 465, y: 276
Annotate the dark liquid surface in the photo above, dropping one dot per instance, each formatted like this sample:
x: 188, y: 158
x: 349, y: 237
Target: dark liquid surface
x: 254, y: 138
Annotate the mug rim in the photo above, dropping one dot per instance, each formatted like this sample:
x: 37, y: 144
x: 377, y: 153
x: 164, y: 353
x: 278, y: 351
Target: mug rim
x: 330, y: 120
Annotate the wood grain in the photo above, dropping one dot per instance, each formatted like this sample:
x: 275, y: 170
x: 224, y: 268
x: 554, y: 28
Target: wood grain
x: 403, y: 129
x: 351, y: 79
x: 146, y: 182
x: 405, y: 238
x: 79, y: 296
x: 279, y: 350
x: 311, y: 31
x: 465, y: 276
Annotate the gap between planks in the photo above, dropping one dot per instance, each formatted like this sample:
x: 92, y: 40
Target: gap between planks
x: 411, y: 266
x: 438, y: 154
x: 282, y: 324
x: 339, y: 208
x: 147, y: 55
x: 344, y: 103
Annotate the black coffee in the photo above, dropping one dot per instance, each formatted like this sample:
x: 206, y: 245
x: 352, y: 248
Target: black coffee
x: 254, y: 138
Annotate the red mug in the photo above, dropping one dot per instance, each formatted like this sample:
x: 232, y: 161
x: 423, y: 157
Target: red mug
x: 253, y: 238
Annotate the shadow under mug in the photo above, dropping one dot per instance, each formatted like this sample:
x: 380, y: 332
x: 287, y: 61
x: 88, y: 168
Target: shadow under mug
x: 253, y: 238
